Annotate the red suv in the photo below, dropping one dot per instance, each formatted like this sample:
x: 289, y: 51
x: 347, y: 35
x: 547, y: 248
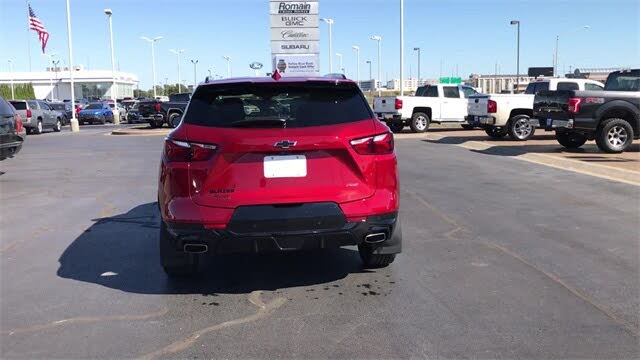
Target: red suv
x: 260, y: 165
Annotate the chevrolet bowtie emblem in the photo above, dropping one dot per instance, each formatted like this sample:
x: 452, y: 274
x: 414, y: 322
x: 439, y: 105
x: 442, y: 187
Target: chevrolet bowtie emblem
x: 285, y: 144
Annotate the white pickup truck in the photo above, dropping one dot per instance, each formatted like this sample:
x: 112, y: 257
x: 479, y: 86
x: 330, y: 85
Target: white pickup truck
x: 432, y: 103
x: 502, y: 114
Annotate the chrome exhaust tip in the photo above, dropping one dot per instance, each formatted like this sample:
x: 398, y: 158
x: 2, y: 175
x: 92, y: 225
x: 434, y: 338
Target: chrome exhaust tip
x: 375, y: 238
x: 195, y: 248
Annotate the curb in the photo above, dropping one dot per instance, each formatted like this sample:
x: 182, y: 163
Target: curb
x: 141, y: 131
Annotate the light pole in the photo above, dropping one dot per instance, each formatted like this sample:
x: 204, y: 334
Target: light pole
x: 378, y: 38
x: 228, y: 58
x: 330, y: 23
x: 55, y: 68
x: 13, y: 95
x: 339, y: 55
x: 370, y: 78
x: 517, y: 22
x: 418, y: 50
x: 153, y: 60
x: 401, y: 47
x: 51, y: 56
x: 195, y: 77
x: 209, y: 70
x: 357, y: 50
x: 74, y: 120
x: 178, y: 52
x: 555, y: 59
x: 114, y: 87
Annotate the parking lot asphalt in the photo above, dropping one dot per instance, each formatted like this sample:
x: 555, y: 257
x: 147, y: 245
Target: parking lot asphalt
x: 502, y: 259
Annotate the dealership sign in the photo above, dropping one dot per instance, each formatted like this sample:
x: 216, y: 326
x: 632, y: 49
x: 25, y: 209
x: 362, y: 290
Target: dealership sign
x: 295, y: 37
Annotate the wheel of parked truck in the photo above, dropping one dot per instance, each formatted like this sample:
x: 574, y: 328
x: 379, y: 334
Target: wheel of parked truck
x: 58, y: 125
x: 419, y: 122
x: 175, y: 262
x: 519, y: 128
x: 496, y: 133
x: 396, y: 127
x: 38, y: 129
x: 371, y: 260
x: 614, y: 135
x: 570, y: 139
x: 174, y: 120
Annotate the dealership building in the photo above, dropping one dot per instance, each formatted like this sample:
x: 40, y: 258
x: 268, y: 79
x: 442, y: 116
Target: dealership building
x: 55, y: 84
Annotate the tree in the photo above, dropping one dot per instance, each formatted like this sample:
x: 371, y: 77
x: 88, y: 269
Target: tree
x: 21, y: 91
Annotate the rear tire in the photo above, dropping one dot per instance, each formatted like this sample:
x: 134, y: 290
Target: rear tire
x: 396, y: 127
x: 176, y: 263
x: 496, y: 133
x: 614, y: 136
x: 570, y: 139
x: 58, y: 126
x: 519, y: 128
x: 371, y: 260
x: 419, y: 122
x: 38, y: 129
x: 172, y: 120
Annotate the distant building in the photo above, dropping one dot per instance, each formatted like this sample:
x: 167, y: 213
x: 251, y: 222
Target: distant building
x: 597, y: 74
x: 409, y: 84
x: 496, y: 84
x: 54, y: 83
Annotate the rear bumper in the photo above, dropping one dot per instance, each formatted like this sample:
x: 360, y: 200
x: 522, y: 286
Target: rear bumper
x: 390, y: 117
x: 266, y: 228
x: 480, y: 121
x: 551, y: 124
x: 10, y: 147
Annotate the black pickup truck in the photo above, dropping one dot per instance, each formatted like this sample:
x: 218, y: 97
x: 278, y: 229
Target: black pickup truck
x: 611, y: 117
x: 158, y: 113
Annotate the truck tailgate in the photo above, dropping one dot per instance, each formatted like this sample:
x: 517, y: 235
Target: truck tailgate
x: 384, y: 104
x: 478, y: 105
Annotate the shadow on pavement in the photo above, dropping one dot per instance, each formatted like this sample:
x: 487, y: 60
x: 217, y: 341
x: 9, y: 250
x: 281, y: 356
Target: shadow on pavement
x: 121, y: 252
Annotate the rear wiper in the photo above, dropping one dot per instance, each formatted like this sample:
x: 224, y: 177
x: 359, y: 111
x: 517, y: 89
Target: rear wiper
x: 261, y: 122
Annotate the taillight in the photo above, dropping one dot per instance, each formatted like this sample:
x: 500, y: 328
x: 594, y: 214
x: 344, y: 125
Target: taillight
x: 158, y: 107
x: 177, y: 150
x: 374, y: 145
x: 398, y: 104
x: 28, y: 113
x: 18, y: 123
x: 574, y: 105
x: 492, y: 107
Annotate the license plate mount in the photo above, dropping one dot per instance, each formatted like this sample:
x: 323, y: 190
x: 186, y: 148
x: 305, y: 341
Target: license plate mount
x: 285, y: 166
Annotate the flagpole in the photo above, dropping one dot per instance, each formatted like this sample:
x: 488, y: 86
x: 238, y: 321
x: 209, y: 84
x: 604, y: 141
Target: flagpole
x: 74, y: 121
x: 28, y: 37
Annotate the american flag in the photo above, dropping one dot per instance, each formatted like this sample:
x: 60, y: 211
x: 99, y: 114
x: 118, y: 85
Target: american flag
x: 36, y: 25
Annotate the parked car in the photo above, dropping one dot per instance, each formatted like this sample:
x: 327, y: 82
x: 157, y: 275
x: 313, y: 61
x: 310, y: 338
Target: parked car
x: 37, y: 116
x: 133, y: 116
x: 65, y: 109
x: 508, y: 114
x: 12, y: 132
x: 611, y: 116
x: 98, y: 112
x: 158, y: 113
x: 440, y: 103
x: 122, y: 113
x: 313, y: 168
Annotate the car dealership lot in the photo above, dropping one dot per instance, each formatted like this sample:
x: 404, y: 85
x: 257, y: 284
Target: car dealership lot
x: 502, y: 258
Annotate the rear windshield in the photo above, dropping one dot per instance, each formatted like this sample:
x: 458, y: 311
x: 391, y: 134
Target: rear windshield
x: 268, y: 105
x: 623, y: 81
x: 57, y: 106
x: 19, y: 105
x: 93, y: 106
x: 536, y: 87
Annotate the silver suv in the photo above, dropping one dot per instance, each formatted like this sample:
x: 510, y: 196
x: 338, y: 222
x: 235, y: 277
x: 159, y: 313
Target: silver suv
x: 38, y: 116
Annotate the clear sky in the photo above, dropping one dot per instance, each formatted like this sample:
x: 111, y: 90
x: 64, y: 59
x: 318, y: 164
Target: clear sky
x: 471, y: 36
